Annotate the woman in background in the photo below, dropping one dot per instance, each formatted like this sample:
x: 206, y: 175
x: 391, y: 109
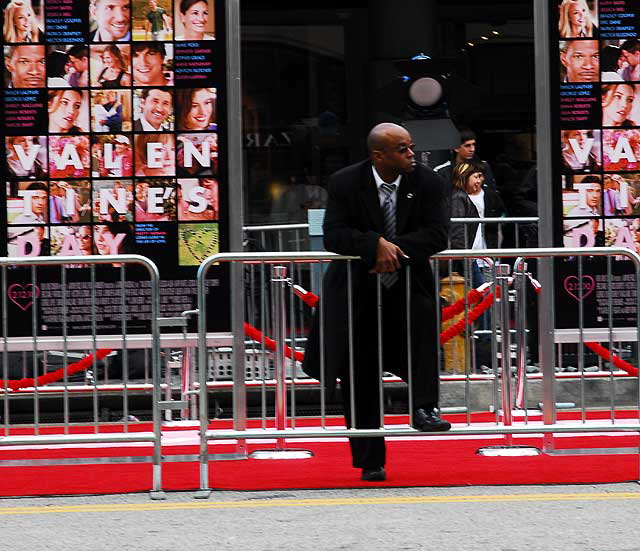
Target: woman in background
x: 470, y: 199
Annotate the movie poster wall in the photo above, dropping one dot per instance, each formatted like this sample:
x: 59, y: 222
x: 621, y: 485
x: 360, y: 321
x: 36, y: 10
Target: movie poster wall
x: 595, y: 86
x: 114, y: 143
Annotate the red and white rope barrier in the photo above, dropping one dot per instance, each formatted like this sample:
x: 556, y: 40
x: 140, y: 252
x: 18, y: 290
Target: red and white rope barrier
x: 56, y: 375
x: 606, y: 355
x: 475, y: 296
x: 255, y: 334
x: 471, y: 317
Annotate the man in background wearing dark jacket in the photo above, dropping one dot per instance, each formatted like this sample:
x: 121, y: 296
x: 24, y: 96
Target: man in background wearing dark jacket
x: 465, y: 152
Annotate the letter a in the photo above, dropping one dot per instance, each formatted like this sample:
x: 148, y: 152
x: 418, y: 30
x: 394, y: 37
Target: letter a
x: 69, y: 156
x: 623, y: 150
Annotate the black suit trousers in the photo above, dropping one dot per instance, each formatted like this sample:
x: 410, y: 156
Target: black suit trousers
x: 369, y: 452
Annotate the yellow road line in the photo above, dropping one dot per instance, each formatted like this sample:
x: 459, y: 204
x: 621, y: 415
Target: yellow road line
x: 330, y: 502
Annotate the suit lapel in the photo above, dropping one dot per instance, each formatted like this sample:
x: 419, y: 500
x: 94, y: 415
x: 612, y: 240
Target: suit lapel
x: 405, y: 200
x: 369, y: 193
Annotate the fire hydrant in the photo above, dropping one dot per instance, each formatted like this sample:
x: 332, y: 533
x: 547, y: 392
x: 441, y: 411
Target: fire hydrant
x: 455, y: 351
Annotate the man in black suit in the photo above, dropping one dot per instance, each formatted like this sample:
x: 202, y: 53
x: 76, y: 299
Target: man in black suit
x: 356, y: 225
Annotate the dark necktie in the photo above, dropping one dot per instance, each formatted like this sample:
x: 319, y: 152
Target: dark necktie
x: 389, y: 212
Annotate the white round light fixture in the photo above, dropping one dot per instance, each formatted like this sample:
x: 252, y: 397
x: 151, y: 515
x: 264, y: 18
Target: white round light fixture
x: 425, y: 92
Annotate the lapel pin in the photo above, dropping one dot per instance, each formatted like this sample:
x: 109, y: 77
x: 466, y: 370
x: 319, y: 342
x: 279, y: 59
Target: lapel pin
x: 409, y: 195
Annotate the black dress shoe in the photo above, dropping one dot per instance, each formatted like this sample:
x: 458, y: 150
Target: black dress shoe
x: 372, y: 475
x: 429, y: 421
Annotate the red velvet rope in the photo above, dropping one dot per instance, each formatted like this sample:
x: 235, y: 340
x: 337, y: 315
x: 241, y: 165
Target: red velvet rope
x: 255, y: 334
x: 447, y: 313
x: 606, y: 355
x: 309, y: 298
x: 56, y: 375
x: 458, y: 306
x: 474, y: 296
x: 458, y: 327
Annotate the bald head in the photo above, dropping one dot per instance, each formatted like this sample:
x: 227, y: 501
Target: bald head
x: 391, y: 150
x: 382, y: 134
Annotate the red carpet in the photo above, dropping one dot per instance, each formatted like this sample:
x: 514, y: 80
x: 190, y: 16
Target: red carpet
x: 422, y: 461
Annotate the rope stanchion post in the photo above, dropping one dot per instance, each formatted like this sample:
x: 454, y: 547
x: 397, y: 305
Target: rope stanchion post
x: 520, y: 285
x: 278, y: 282
x: 505, y: 297
x: 503, y: 281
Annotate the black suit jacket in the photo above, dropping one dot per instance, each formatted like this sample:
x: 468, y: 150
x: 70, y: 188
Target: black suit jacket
x: 353, y: 224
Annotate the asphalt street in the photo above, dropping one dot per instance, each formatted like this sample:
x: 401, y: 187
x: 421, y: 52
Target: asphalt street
x: 590, y: 517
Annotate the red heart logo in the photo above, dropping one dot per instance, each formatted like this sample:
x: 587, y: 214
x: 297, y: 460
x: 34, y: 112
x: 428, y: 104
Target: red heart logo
x: 23, y: 295
x: 572, y: 286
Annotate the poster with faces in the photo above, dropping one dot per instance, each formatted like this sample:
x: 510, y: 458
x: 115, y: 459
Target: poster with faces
x: 596, y: 104
x: 111, y: 138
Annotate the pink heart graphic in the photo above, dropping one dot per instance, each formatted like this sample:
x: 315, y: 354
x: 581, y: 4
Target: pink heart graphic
x: 22, y: 295
x: 572, y: 286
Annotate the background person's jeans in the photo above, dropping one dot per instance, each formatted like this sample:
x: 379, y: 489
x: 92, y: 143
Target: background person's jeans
x: 477, y: 279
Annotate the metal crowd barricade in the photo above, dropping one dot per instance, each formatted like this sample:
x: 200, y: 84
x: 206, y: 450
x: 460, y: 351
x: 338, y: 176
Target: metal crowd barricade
x: 516, y: 231
x: 456, y: 278
x: 581, y: 376
x: 283, y: 238
x: 295, y: 237
x: 34, y: 353
x: 272, y: 426
x: 277, y: 237
x: 524, y: 228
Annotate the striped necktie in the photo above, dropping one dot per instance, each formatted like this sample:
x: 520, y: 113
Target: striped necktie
x: 389, y: 212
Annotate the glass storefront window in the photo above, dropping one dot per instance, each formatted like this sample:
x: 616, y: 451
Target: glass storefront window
x: 294, y: 113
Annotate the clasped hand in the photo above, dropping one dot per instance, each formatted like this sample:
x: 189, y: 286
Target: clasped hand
x: 387, y: 257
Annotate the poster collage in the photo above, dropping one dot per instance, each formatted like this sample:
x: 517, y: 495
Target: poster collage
x: 596, y: 120
x: 111, y: 136
x: 599, y: 115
